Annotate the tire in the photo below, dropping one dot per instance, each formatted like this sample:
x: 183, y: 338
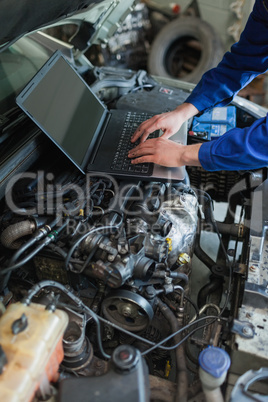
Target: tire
x: 185, y: 49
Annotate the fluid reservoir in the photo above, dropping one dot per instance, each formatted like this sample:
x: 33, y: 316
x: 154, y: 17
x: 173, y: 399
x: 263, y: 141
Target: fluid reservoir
x: 31, y: 342
x: 214, y: 363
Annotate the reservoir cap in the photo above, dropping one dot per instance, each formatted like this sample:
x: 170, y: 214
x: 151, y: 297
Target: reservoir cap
x: 214, y: 361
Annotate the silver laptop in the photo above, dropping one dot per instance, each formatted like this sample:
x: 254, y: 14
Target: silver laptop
x: 95, y: 139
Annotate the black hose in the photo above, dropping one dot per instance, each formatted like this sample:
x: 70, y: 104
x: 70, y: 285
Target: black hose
x: 48, y: 239
x: 231, y: 229
x: 199, y: 252
x: 216, y: 283
x: 42, y: 232
x: 182, y: 377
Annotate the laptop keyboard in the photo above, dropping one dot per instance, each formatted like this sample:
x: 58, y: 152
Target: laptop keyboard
x: 121, y: 162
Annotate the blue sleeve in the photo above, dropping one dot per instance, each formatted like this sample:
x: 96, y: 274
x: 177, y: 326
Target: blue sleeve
x: 247, y: 59
x: 238, y: 149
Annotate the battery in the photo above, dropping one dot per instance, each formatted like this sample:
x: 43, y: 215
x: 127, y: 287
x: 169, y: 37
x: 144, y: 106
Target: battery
x: 214, y: 123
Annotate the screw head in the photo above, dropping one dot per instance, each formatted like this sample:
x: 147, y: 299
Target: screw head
x: 247, y: 331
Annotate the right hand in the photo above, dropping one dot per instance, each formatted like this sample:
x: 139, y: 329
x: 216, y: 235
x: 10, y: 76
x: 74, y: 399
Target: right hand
x: 169, y: 122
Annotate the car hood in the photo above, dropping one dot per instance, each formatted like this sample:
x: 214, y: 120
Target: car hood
x: 19, y: 18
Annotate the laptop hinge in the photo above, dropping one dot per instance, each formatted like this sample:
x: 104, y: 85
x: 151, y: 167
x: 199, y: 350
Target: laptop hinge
x: 94, y: 152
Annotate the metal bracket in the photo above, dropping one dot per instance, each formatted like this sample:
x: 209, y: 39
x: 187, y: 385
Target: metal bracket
x: 243, y: 328
x: 241, y: 389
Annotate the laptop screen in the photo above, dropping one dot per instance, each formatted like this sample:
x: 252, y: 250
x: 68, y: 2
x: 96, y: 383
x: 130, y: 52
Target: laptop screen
x: 64, y: 107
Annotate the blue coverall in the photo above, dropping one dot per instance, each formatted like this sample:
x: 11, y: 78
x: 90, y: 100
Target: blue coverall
x: 237, y: 149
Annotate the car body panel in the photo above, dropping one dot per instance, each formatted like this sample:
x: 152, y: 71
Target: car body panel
x: 30, y: 16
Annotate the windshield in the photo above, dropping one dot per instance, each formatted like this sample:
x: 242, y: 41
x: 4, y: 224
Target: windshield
x: 18, y: 64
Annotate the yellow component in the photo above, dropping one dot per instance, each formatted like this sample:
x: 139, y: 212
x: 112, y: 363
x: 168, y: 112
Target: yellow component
x: 167, y: 369
x: 81, y: 212
x: 169, y: 242
x: 183, y: 258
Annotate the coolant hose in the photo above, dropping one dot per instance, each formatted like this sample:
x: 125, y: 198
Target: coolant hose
x: 11, y: 235
x: 215, y: 284
x: 233, y: 229
x: 182, y: 377
x: 199, y: 252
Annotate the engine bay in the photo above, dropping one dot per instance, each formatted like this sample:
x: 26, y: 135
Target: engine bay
x: 101, y: 290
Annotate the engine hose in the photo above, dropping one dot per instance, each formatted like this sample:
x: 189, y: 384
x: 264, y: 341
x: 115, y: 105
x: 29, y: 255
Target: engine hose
x: 201, y: 254
x: 182, y: 376
x: 39, y: 234
x: 11, y: 235
x: 233, y: 229
x: 45, y: 242
x: 215, y: 283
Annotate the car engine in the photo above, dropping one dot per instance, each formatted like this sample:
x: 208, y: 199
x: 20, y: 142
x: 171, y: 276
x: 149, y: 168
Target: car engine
x: 101, y: 296
x: 129, y: 46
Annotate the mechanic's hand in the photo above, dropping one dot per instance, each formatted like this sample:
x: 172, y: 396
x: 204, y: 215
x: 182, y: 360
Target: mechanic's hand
x: 169, y: 122
x: 165, y: 152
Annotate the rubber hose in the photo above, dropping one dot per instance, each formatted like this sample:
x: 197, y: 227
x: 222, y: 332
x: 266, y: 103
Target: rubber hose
x: 182, y: 377
x: 233, y: 229
x: 11, y: 235
x: 214, y: 285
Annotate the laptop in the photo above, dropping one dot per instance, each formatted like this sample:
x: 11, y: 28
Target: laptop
x: 65, y: 108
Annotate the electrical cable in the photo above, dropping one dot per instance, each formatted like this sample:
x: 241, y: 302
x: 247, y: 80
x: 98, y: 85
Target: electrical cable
x: 47, y: 283
x: 41, y: 233
x: 160, y: 344
x: 97, y: 319
x: 50, y: 237
x: 193, y: 304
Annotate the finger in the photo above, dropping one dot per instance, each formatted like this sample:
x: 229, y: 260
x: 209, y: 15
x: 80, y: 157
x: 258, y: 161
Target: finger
x: 143, y: 159
x: 145, y: 129
x: 138, y: 133
x: 140, y: 152
x: 143, y: 148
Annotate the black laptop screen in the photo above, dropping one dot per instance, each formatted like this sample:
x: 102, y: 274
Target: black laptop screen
x: 65, y: 108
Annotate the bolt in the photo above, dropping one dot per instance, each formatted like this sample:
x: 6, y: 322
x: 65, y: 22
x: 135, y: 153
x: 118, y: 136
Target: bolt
x: 253, y: 268
x: 126, y: 311
x: 247, y: 331
x: 111, y: 258
x: 218, y: 268
x: 231, y: 252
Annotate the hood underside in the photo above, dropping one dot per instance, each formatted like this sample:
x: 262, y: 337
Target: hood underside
x: 18, y: 18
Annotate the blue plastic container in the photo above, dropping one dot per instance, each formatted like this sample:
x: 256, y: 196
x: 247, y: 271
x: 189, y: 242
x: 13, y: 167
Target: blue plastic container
x: 214, y: 123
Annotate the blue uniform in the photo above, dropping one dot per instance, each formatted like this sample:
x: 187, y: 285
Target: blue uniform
x: 245, y: 148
